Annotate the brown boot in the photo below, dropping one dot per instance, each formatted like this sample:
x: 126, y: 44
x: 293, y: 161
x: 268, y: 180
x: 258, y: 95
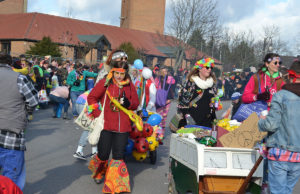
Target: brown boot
x: 98, y: 168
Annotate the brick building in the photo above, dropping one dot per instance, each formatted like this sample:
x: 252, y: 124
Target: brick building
x: 144, y: 15
x: 22, y: 30
x: 13, y: 6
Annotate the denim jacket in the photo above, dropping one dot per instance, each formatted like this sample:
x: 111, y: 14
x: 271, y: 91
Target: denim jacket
x: 283, y: 121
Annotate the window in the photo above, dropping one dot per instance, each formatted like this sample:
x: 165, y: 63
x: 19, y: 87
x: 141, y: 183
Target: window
x: 5, y: 47
x: 149, y: 61
x: 161, y: 60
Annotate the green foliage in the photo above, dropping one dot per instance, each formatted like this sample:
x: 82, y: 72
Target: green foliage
x: 45, y: 47
x: 130, y: 51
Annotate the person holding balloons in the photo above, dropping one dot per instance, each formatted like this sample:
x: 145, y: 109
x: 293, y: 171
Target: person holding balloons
x: 114, y: 137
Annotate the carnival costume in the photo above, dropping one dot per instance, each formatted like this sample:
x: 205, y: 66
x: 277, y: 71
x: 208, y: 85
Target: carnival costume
x: 149, y: 92
x: 115, y: 133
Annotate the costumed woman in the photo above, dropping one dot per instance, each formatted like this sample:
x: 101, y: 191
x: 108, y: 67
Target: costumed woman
x: 195, y: 97
x: 269, y: 80
x: 117, y: 126
x: 163, y: 84
x: 116, y: 55
x: 148, y: 97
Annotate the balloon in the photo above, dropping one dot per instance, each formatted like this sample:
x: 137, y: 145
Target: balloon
x: 129, y: 147
x: 135, y: 133
x: 147, y: 73
x: 138, y: 64
x: 154, y: 119
x: 153, y: 143
x: 147, y: 130
x: 139, y: 156
x: 141, y: 145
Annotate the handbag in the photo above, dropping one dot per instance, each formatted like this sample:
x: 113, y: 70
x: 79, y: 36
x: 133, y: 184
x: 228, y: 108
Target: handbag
x: 94, y: 136
x: 42, y: 96
x: 162, y: 94
x: 245, y: 110
x: 175, y: 121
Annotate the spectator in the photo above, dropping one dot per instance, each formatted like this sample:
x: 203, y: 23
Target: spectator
x: 15, y: 92
x: 76, y: 80
x: 282, y: 124
x: 60, y: 95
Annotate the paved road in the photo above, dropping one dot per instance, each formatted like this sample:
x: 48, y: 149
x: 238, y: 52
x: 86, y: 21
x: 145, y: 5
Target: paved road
x: 51, y: 168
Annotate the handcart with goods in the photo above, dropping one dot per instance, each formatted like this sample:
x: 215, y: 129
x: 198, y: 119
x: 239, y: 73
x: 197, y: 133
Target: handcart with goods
x: 196, y: 168
x: 143, y: 144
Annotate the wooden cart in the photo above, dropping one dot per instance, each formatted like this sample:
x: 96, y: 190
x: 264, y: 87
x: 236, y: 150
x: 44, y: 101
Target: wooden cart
x: 195, y: 168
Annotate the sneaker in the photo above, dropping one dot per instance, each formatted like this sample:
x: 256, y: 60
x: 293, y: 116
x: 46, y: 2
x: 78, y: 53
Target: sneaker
x: 79, y: 156
x: 91, y: 155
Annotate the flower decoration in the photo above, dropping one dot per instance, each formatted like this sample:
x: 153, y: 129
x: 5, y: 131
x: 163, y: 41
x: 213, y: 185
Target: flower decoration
x: 205, y: 62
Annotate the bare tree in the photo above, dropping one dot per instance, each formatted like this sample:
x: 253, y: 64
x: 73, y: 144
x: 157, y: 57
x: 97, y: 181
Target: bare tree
x: 188, y: 16
x: 297, y: 44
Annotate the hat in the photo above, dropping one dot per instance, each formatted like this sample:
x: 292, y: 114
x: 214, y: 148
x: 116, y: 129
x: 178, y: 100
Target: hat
x: 235, y: 96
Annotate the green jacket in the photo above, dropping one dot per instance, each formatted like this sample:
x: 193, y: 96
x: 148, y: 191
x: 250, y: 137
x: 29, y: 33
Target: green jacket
x: 72, y: 78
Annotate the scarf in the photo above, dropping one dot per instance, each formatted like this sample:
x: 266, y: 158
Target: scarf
x: 208, y: 83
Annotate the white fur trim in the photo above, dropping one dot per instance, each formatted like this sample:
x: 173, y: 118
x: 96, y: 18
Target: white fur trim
x: 203, y: 84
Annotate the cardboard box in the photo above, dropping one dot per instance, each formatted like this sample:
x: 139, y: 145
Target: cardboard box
x: 246, y: 136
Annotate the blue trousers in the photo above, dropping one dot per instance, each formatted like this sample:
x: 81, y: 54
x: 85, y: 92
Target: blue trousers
x: 56, y: 100
x: 74, y: 95
x: 283, y: 176
x: 12, y: 163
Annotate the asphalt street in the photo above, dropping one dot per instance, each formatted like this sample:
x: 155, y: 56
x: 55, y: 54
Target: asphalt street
x: 52, y: 169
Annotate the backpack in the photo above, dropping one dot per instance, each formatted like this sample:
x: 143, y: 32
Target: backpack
x: 162, y: 94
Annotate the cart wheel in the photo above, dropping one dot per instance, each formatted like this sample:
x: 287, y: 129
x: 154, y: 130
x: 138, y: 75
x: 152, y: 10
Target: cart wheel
x: 172, y: 188
x: 153, y: 155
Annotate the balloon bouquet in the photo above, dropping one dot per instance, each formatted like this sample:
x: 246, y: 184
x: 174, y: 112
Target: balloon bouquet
x: 140, y: 142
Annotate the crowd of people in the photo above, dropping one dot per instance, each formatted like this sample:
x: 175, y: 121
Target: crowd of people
x: 33, y: 84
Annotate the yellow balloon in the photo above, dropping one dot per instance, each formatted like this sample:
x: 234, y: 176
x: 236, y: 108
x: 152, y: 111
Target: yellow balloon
x: 153, y: 143
x: 139, y: 156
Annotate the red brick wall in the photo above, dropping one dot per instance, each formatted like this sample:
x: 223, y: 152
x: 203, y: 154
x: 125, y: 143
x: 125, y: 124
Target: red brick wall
x: 13, y: 6
x: 145, y: 15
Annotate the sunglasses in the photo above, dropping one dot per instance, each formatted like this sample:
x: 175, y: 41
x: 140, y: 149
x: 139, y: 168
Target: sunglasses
x: 209, y: 68
x: 276, y: 62
x: 123, y: 58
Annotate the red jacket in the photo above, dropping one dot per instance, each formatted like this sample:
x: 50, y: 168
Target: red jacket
x: 7, y: 186
x: 114, y: 121
x: 265, y: 80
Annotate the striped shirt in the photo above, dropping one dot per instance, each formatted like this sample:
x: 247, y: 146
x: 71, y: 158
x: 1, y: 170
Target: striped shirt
x: 283, y: 155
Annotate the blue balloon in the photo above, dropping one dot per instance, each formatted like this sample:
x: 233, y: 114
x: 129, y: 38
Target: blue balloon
x: 138, y: 64
x: 129, y: 147
x: 154, y: 119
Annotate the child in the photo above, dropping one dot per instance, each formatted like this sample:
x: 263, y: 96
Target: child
x: 235, y: 104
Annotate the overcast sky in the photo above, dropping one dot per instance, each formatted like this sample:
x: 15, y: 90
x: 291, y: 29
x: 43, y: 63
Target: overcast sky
x: 237, y: 15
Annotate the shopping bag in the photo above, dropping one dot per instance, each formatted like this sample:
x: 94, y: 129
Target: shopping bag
x: 174, y: 123
x: 245, y: 110
x: 94, y: 135
x: 84, y: 121
x: 42, y: 96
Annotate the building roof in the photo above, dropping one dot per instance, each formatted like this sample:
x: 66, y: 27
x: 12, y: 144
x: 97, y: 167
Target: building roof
x: 34, y: 26
x: 94, y: 39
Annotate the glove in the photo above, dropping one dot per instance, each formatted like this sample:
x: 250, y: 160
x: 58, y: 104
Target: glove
x: 264, y: 96
x: 124, y: 101
x: 96, y: 113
